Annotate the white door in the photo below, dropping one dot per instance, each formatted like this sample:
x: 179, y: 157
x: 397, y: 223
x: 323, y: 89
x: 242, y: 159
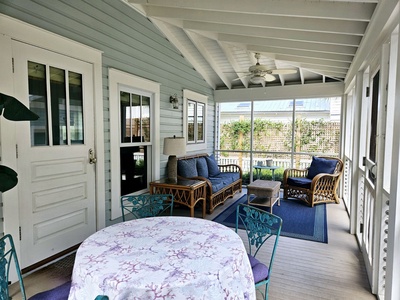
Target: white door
x: 56, y: 175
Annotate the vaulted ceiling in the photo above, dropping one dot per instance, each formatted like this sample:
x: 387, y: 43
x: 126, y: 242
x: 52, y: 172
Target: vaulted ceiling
x: 318, y: 39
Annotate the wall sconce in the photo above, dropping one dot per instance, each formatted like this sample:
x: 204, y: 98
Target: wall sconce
x: 174, y: 100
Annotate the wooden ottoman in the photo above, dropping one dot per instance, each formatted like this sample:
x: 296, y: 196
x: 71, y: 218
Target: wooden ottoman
x: 266, y: 192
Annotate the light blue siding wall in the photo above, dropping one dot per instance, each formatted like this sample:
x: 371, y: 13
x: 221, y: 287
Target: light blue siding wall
x: 131, y: 43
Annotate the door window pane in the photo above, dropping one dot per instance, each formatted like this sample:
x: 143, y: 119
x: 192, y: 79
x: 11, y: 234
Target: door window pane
x: 38, y: 103
x: 64, y: 104
x: 76, y: 107
x: 58, y: 106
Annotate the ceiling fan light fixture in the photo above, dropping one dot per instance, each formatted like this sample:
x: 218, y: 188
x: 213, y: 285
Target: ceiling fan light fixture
x: 257, y: 79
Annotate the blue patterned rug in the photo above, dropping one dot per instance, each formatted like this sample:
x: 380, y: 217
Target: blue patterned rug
x: 299, y: 220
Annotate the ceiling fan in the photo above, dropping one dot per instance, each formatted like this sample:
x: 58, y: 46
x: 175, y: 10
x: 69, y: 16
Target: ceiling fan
x: 260, y: 73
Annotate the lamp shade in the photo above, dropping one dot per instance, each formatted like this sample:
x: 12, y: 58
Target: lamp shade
x: 174, y: 146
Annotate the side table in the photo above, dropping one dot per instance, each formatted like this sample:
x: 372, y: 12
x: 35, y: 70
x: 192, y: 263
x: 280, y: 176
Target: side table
x: 259, y: 168
x: 266, y: 192
x: 186, y: 192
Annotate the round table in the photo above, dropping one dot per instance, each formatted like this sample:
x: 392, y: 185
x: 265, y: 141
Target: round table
x: 163, y: 258
x: 259, y: 168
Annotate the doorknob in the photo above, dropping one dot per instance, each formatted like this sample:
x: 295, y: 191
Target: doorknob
x: 92, y: 157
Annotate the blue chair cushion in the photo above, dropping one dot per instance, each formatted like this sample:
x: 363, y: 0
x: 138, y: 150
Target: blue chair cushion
x: 213, y: 169
x: 260, y: 271
x: 202, y: 167
x: 58, y: 293
x: 321, y: 165
x: 187, y: 168
x: 300, y: 182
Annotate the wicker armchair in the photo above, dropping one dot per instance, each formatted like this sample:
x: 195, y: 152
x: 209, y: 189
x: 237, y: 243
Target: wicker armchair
x: 314, y: 188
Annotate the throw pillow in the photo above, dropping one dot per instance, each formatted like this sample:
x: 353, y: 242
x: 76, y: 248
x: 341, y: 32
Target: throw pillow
x: 202, y: 168
x: 187, y: 168
x: 321, y: 165
x: 213, y: 169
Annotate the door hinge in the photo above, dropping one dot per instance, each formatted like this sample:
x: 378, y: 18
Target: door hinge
x: 367, y: 91
x: 364, y: 161
x: 20, y: 233
x: 16, y: 150
x: 12, y: 63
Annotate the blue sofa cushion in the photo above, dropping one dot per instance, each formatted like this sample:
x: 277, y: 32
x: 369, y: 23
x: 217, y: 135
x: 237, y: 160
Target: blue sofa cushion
x: 202, y: 167
x: 217, y: 184
x: 213, y: 169
x: 228, y: 177
x: 321, y: 165
x: 300, y: 182
x: 187, y: 168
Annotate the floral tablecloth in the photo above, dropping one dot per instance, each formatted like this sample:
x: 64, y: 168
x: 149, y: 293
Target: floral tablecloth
x: 163, y: 258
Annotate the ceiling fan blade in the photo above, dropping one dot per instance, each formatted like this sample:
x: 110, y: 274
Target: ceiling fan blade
x: 241, y: 77
x: 283, y: 71
x: 269, y: 77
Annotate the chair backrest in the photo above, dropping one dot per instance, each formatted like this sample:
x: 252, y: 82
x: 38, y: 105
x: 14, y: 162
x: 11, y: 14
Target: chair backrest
x: 7, y: 257
x: 260, y: 226
x: 143, y: 206
x: 101, y: 297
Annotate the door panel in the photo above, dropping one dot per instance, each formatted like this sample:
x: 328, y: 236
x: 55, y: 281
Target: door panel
x: 56, y: 181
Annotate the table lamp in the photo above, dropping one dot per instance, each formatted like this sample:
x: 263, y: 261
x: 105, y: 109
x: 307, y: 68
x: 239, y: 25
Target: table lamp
x: 173, y: 146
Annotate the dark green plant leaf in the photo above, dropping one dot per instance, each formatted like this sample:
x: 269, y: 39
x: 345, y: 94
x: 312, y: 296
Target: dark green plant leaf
x: 8, y: 178
x: 14, y: 110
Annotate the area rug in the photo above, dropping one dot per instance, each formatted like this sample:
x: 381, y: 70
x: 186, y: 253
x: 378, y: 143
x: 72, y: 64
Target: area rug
x: 299, y: 220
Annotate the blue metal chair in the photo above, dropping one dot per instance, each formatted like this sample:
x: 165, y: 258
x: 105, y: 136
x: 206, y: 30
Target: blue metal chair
x: 143, y: 206
x: 7, y: 257
x: 260, y: 227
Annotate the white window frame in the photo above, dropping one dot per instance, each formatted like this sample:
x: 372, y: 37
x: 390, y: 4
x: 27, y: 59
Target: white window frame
x: 189, y: 95
x: 119, y: 79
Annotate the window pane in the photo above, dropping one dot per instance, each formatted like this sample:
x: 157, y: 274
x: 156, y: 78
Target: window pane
x: 125, y: 103
x: 317, y: 126
x: 235, y: 126
x: 200, y: 122
x: 58, y: 106
x: 135, y: 116
x: 38, y: 103
x: 191, y: 116
x: 133, y: 169
x: 145, y: 133
x: 76, y: 108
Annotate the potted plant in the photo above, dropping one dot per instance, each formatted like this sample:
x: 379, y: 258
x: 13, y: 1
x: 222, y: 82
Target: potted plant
x: 13, y: 110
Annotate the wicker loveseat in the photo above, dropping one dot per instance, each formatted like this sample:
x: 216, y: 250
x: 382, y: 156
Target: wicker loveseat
x: 223, y: 181
x: 316, y: 184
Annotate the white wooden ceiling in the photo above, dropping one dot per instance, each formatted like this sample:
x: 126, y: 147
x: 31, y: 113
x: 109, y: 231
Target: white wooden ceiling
x: 320, y: 39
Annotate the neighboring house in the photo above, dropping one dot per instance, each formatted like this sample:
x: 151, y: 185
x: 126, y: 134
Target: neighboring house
x: 70, y: 170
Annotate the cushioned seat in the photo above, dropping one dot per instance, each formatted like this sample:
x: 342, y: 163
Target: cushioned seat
x: 316, y: 184
x: 260, y: 271
x: 300, y: 182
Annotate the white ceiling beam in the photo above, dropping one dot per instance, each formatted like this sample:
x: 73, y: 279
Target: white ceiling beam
x: 239, y: 39
x: 386, y: 13
x: 238, y: 69
x: 257, y: 20
x: 187, y: 54
x: 332, y: 89
x: 209, y: 58
x: 294, y: 35
x: 301, y: 53
x: 317, y: 9
x: 319, y: 62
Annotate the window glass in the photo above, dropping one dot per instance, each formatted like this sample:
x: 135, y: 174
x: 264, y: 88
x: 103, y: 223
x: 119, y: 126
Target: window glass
x: 58, y: 106
x: 66, y: 124
x: 135, y: 118
x: 200, y: 122
x: 38, y: 103
x: 76, y: 107
x: 190, y: 121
